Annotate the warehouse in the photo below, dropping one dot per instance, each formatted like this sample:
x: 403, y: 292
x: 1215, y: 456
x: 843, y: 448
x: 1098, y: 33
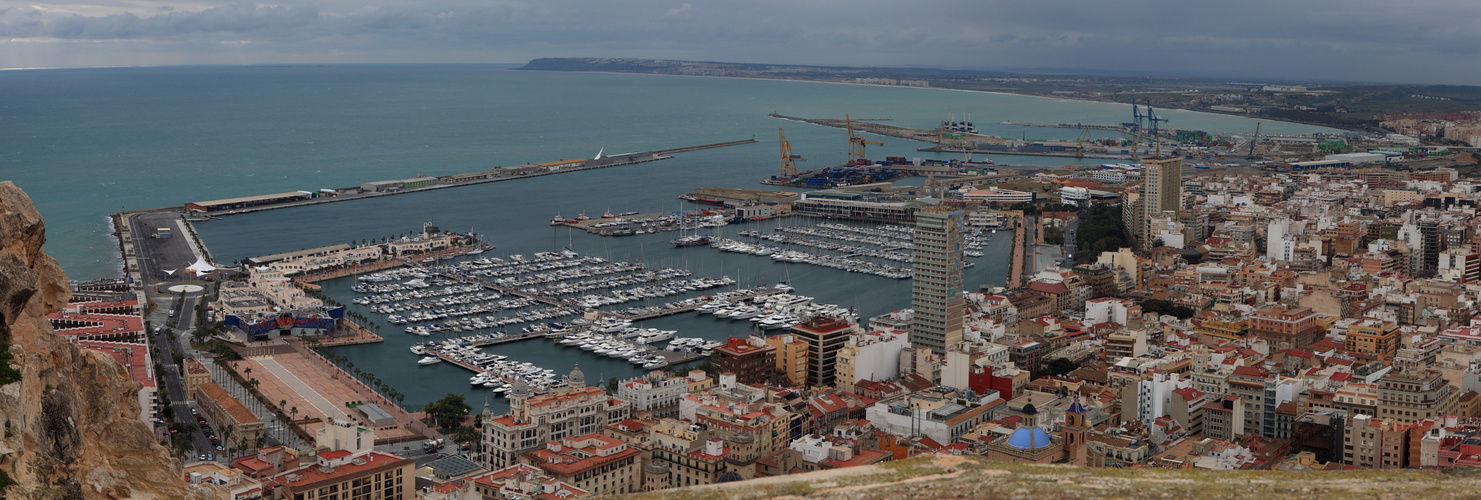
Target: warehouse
x: 248, y: 201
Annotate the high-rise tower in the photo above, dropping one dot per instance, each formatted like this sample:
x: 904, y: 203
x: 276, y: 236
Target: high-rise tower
x: 937, y: 287
x: 1162, y: 191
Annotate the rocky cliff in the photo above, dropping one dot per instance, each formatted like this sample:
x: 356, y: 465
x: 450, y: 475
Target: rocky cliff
x: 71, y: 421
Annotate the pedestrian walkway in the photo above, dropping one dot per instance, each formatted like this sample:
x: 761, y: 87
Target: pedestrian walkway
x: 325, y: 407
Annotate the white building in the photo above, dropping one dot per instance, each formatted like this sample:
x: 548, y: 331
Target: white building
x: 872, y: 355
x: 345, y: 435
x: 655, y: 390
x: 961, y: 359
x: 1280, y: 241
x: 1111, y: 310
x: 1076, y: 196
x: 1153, y: 396
x: 996, y: 195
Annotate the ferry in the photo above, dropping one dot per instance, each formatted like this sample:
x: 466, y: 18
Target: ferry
x: 558, y: 220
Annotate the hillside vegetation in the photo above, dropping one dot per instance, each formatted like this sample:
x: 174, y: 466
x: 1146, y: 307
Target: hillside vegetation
x: 923, y: 478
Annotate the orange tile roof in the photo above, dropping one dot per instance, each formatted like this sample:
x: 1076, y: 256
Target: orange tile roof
x: 241, y: 414
x: 96, y: 324
x: 307, y: 478
x: 496, y: 480
x: 133, y: 357
x: 566, y: 463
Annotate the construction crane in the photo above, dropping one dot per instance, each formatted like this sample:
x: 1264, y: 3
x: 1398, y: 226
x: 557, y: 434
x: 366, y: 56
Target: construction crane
x: 1080, y: 143
x: 856, y: 144
x: 1254, y: 141
x: 1136, y: 145
x: 789, y: 160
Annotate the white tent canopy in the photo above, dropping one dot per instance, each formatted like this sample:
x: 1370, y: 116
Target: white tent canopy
x: 201, y: 267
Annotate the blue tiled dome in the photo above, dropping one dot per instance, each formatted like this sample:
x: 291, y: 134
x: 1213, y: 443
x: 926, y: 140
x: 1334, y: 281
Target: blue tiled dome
x: 1028, y: 438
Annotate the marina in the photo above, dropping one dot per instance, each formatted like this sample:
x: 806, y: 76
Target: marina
x: 851, y: 245
x: 483, y: 295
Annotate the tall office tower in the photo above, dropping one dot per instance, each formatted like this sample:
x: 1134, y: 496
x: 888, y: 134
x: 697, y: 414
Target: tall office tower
x: 1162, y: 190
x: 937, y: 287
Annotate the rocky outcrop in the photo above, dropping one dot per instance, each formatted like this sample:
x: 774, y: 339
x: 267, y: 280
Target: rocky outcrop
x: 71, y: 423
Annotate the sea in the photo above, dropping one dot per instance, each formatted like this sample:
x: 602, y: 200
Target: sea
x: 86, y: 143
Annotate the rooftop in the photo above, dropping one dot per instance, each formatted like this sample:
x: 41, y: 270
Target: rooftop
x: 314, y: 476
x: 239, y: 413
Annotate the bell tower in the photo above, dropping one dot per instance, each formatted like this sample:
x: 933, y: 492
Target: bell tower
x: 1072, y: 433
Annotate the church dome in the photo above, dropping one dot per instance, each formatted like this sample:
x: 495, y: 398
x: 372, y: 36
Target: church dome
x: 1029, y: 438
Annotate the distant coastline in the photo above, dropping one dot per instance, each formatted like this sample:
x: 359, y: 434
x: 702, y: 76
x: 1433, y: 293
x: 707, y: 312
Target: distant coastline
x: 1354, y: 107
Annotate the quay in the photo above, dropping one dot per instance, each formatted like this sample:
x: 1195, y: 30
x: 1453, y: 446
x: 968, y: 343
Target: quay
x: 507, y: 338
x: 358, y: 336
x: 249, y: 204
x: 309, y: 280
x: 1067, y: 152
x: 1113, y: 128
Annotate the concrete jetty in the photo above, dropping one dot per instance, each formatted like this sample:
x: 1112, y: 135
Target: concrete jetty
x: 373, y: 189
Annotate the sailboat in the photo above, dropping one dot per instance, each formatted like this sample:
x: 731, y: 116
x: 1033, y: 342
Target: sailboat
x: 692, y: 240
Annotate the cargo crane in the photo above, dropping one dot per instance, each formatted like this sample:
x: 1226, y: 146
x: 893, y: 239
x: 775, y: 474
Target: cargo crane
x: 1136, y: 115
x: 1152, y: 120
x: 856, y: 144
x: 1254, y: 141
x: 789, y: 160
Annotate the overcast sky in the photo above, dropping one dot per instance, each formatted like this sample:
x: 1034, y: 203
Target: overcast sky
x: 1432, y: 41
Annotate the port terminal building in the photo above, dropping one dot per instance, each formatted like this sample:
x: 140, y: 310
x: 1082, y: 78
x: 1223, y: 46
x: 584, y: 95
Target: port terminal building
x: 248, y: 201
x: 854, y: 205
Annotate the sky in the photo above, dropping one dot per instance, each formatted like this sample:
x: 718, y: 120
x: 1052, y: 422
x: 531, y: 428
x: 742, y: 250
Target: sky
x: 1429, y: 41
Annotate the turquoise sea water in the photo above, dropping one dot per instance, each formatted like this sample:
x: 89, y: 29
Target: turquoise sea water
x: 88, y: 143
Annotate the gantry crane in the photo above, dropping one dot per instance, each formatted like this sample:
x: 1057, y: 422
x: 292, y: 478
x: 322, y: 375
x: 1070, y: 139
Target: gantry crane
x: 789, y: 160
x: 856, y: 144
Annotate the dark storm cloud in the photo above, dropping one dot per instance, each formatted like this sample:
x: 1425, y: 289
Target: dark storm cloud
x: 1355, y: 39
